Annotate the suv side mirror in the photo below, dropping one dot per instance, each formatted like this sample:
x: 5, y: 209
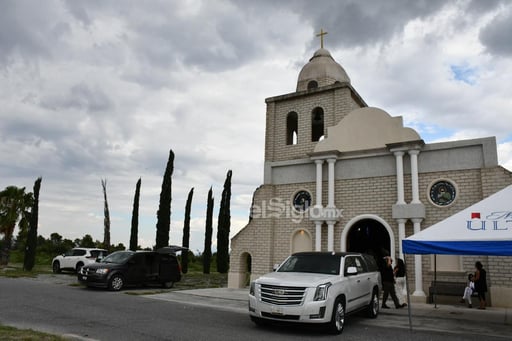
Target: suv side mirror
x: 351, y: 270
x: 274, y: 268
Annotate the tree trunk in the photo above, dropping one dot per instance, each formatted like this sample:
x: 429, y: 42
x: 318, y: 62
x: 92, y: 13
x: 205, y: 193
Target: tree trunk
x: 6, y: 251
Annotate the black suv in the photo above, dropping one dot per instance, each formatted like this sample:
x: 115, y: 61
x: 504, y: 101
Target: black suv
x: 123, y: 268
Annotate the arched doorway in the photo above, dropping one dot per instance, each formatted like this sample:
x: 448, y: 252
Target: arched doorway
x: 245, y: 269
x: 369, y: 236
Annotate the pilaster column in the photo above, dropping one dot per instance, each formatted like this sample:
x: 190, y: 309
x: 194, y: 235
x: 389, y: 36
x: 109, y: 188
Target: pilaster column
x: 318, y: 204
x: 400, y: 177
x: 401, y: 236
x: 330, y: 202
x: 318, y: 201
x: 318, y: 235
x: 418, y: 267
x: 330, y: 236
x: 414, y: 176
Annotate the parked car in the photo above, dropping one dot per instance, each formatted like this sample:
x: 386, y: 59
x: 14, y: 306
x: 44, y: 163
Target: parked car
x: 75, y: 258
x: 317, y: 287
x: 123, y: 268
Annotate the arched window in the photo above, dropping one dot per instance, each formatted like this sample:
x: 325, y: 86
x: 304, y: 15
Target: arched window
x: 317, y: 124
x: 301, y: 241
x: 292, y: 126
x: 312, y: 85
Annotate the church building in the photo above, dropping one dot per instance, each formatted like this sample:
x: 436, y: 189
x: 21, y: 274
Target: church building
x: 342, y: 176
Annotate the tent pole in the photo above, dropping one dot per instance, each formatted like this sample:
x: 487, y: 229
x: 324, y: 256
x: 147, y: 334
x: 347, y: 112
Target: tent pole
x: 408, y: 295
x: 435, y: 281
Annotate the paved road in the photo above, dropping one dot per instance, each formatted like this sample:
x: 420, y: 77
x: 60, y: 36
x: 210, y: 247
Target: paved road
x: 102, y: 315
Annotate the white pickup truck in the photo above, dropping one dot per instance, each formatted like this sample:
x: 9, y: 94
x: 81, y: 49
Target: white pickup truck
x: 317, y: 287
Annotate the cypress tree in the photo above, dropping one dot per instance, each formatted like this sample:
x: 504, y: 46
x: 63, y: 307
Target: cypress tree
x: 134, y: 233
x: 207, y: 253
x: 223, y: 228
x: 186, y: 232
x: 106, y: 221
x: 30, y: 249
x: 163, y: 214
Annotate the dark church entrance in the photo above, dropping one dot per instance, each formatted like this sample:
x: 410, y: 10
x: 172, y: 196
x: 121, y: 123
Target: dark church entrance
x: 371, y: 237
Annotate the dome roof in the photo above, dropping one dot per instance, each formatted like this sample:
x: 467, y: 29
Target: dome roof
x: 323, y: 70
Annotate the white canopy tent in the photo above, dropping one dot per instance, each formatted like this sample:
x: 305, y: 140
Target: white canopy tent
x: 484, y: 228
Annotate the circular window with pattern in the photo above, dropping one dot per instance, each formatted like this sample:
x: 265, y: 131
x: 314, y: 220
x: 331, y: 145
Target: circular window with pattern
x: 302, y: 200
x: 442, y: 193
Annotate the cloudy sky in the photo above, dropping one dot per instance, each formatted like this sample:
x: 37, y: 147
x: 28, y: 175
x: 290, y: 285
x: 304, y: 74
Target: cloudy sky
x: 93, y: 90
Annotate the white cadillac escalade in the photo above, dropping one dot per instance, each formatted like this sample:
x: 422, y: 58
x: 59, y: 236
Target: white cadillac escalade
x: 317, y: 287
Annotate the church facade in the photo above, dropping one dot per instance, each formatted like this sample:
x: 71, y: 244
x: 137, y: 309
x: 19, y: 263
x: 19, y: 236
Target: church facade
x: 342, y: 176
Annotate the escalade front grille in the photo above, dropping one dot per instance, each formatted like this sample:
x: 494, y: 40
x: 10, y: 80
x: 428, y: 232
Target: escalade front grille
x: 279, y: 295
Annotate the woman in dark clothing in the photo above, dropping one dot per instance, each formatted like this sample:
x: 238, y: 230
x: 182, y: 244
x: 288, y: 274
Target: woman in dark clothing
x: 480, y: 280
x: 388, y: 285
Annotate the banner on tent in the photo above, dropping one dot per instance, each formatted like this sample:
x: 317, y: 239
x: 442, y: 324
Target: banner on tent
x: 496, y: 221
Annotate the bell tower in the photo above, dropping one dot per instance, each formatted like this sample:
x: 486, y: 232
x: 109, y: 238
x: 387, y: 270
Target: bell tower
x: 297, y: 121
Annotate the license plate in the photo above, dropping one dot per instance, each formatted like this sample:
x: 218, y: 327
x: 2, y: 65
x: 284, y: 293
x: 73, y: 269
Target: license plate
x: 84, y: 278
x: 276, y: 310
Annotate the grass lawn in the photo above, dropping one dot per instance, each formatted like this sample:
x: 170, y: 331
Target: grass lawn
x: 15, y: 270
x: 11, y: 333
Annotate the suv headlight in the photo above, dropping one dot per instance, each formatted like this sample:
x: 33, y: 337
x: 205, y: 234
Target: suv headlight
x: 101, y: 271
x: 251, y: 289
x: 321, y: 292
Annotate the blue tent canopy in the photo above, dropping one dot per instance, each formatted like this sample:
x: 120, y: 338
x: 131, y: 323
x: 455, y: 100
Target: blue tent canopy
x: 484, y: 228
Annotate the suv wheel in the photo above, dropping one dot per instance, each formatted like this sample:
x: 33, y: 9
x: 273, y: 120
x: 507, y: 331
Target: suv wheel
x: 338, y: 317
x: 258, y: 321
x: 56, y: 267
x: 116, y: 282
x: 79, y: 267
x: 373, y: 306
x: 168, y: 285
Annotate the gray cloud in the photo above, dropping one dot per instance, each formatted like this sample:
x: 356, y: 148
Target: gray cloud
x: 354, y: 23
x: 80, y: 97
x: 479, y: 7
x: 29, y: 29
x: 496, y: 36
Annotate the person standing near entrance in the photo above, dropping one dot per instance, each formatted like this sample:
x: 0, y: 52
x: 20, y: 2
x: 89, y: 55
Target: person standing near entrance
x: 388, y: 285
x: 399, y: 271
x: 480, y: 283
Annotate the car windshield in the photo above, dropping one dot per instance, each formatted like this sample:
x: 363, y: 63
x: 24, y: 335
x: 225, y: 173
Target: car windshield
x: 117, y: 257
x: 320, y: 264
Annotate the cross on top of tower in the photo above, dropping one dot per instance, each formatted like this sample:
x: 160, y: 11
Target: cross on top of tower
x: 321, y: 35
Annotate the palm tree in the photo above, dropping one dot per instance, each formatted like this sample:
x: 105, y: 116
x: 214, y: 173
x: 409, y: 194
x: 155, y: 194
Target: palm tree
x: 14, y: 205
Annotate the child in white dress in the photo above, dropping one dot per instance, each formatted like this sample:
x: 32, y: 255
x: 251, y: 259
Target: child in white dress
x: 468, y: 291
